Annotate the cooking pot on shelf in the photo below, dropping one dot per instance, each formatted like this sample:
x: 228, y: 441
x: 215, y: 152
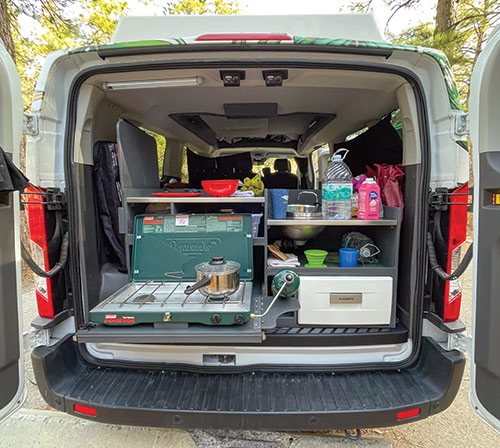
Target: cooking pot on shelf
x: 304, y: 211
x: 216, y: 279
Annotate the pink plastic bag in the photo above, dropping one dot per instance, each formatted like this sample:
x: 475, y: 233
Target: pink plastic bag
x: 389, y: 179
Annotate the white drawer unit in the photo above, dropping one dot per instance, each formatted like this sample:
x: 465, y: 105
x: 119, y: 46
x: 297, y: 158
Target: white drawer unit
x: 345, y: 301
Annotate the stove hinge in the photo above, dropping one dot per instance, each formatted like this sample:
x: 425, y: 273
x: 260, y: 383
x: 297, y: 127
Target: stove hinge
x: 87, y: 326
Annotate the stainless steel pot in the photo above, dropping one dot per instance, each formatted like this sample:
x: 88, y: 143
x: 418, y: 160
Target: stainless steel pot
x: 293, y: 209
x: 301, y: 209
x: 216, y: 279
x: 302, y: 233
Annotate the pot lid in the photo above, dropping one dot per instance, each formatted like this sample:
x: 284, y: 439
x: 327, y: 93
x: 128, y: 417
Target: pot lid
x: 218, y: 265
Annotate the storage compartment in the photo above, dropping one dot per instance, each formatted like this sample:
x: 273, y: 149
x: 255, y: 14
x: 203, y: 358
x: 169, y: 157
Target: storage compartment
x: 340, y: 308
x: 345, y: 301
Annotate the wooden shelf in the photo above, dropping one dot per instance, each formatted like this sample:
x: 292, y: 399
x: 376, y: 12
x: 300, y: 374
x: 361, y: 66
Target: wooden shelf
x: 324, y: 222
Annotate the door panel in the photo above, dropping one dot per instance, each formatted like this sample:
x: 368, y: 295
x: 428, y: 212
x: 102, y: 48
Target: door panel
x: 12, y: 390
x: 9, y: 325
x: 487, y: 330
x: 485, y: 137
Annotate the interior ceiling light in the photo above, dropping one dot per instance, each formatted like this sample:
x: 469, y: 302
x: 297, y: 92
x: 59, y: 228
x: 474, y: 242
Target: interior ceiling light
x: 174, y: 82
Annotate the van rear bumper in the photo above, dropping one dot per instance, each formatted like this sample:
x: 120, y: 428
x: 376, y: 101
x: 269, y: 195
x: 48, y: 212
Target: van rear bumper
x: 272, y: 401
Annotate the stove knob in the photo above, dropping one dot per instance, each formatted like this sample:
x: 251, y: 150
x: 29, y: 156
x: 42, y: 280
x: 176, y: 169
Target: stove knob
x: 216, y: 319
x: 239, y: 319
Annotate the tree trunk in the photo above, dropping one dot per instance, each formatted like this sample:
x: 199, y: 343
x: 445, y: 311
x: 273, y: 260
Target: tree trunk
x: 5, y: 33
x: 445, y: 16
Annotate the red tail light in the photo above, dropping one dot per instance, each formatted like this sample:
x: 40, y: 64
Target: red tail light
x: 456, y: 237
x: 243, y: 36
x: 39, y: 251
x: 86, y: 410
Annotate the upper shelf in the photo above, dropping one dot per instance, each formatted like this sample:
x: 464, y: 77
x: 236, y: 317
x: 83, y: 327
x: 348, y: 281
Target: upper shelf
x: 145, y: 197
x: 324, y: 222
x: 199, y: 199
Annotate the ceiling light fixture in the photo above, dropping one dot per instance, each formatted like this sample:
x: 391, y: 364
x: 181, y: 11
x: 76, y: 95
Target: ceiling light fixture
x: 174, y: 82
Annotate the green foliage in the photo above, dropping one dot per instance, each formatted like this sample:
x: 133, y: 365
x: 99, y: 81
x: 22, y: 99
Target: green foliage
x: 86, y: 22
x: 161, y: 147
x: 204, y: 7
x: 462, y: 43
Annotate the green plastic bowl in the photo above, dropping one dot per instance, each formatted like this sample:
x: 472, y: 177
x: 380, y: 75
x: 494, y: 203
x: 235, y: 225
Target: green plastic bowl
x: 315, y: 258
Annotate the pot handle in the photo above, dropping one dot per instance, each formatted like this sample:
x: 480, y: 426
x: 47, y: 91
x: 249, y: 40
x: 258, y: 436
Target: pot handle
x: 199, y: 284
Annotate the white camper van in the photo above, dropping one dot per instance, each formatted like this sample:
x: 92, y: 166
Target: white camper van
x: 170, y: 306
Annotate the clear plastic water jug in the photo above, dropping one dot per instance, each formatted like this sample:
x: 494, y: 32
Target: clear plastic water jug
x: 337, y: 188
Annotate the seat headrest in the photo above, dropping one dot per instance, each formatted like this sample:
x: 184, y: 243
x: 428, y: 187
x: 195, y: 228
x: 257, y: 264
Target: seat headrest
x: 282, y: 165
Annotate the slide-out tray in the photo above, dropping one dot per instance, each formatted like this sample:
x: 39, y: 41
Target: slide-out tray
x: 250, y: 332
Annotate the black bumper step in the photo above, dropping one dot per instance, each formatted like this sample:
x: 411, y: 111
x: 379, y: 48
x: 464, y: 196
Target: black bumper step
x: 335, y: 336
x: 259, y: 400
x: 276, y: 337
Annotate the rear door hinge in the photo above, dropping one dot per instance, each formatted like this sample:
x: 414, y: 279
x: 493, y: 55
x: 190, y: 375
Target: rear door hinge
x: 461, y: 125
x: 56, y: 199
x: 30, y: 125
x: 460, y: 341
x: 36, y: 338
x: 53, y: 198
x: 439, y: 200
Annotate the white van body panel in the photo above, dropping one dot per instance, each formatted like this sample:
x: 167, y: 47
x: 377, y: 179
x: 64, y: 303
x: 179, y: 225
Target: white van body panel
x: 45, y: 151
x: 333, y: 26
x: 449, y: 162
x: 449, y: 165
x: 45, y: 161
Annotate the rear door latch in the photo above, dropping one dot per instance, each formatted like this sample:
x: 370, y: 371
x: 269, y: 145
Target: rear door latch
x: 30, y: 124
x: 461, y: 128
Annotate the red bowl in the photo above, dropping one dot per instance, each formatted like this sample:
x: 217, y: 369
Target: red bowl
x: 224, y: 187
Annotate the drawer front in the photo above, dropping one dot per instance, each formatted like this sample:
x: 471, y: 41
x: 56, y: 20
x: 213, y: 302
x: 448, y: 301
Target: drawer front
x: 345, y: 301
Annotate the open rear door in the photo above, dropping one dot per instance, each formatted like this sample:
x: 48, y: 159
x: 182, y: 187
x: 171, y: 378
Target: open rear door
x: 484, y: 107
x: 12, y: 390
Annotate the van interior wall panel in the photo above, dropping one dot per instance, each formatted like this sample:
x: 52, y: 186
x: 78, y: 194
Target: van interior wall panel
x: 412, y: 153
x: 407, y: 250
x: 91, y: 250
x: 106, y: 116
x: 96, y: 121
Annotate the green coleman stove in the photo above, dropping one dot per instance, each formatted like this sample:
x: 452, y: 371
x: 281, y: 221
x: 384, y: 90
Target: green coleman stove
x: 166, y: 250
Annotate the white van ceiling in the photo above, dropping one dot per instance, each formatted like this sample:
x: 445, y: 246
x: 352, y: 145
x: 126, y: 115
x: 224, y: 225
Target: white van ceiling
x: 330, y: 26
x: 346, y: 100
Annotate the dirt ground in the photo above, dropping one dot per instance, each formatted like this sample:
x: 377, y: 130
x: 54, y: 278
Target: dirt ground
x: 456, y: 427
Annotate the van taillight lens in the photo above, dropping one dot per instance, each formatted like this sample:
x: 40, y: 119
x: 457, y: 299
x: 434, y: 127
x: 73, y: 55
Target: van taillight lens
x: 456, y: 238
x: 40, y: 251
